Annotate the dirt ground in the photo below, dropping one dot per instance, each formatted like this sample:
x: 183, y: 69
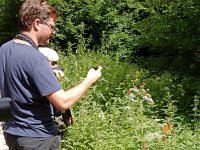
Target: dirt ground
x: 3, y: 145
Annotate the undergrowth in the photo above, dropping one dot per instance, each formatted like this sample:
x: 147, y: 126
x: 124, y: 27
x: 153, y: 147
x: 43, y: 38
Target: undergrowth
x: 127, y: 109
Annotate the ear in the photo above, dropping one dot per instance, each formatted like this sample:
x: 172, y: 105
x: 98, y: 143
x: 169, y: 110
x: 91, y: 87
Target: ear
x: 36, y: 24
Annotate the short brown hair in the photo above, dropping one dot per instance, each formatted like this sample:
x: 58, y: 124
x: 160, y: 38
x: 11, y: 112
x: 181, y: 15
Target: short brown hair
x: 35, y: 9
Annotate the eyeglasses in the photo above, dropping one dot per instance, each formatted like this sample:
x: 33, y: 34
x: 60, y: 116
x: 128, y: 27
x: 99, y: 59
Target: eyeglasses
x: 52, y: 27
x: 53, y: 63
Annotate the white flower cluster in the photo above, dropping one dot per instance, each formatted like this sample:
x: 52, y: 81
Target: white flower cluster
x: 135, y: 92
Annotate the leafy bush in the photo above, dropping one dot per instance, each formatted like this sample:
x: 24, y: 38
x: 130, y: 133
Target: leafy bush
x: 171, y: 36
x: 115, y: 113
x: 109, y: 26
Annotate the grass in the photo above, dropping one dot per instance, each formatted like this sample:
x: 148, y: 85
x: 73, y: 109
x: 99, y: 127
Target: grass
x: 115, y: 114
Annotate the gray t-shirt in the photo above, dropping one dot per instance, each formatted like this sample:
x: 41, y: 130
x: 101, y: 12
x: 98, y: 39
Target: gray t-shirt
x: 26, y: 77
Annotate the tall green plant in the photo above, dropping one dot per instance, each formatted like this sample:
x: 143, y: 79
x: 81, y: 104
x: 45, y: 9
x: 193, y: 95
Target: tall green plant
x: 114, y: 114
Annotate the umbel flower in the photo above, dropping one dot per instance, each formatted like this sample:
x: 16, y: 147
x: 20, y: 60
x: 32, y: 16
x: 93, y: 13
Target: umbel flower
x: 134, y: 93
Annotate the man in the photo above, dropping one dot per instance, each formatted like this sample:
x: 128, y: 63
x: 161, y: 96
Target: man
x: 53, y: 58
x: 27, y: 78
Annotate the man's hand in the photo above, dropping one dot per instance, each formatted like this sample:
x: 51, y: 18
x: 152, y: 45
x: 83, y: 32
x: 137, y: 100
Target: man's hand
x: 63, y: 100
x: 93, y: 74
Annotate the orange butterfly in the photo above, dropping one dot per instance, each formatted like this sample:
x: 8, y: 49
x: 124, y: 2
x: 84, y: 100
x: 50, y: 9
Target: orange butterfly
x: 128, y: 92
x: 167, y: 128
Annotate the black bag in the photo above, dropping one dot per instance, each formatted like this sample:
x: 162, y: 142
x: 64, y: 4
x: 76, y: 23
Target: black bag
x: 5, y: 108
x: 68, y: 117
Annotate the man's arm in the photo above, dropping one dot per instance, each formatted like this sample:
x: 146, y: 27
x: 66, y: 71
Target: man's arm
x: 65, y: 99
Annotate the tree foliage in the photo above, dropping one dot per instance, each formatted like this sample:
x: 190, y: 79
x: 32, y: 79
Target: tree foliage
x: 108, y: 26
x: 173, y: 33
x: 158, y: 35
x: 158, y: 30
x: 161, y: 30
x: 8, y: 19
x: 125, y: 28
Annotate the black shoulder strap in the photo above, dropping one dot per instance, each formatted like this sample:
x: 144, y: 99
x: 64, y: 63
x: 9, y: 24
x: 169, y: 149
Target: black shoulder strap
x: 5, y: 108
x: 27, y: 39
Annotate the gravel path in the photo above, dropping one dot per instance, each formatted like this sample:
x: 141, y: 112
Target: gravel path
x: 3, y: 145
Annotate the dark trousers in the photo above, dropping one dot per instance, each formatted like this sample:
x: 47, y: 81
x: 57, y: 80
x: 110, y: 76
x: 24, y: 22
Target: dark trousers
x: 29, y: 143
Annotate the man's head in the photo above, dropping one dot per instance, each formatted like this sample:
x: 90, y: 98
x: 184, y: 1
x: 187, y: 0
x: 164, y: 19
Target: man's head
x: 35, y: 9
x: 38, y: 18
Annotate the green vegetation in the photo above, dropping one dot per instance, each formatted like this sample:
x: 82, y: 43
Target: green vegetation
x: 128, y: 29
x: 148, y: 97
x: 158, y: 36
x: 128, y: 108
x: 8, y: 19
